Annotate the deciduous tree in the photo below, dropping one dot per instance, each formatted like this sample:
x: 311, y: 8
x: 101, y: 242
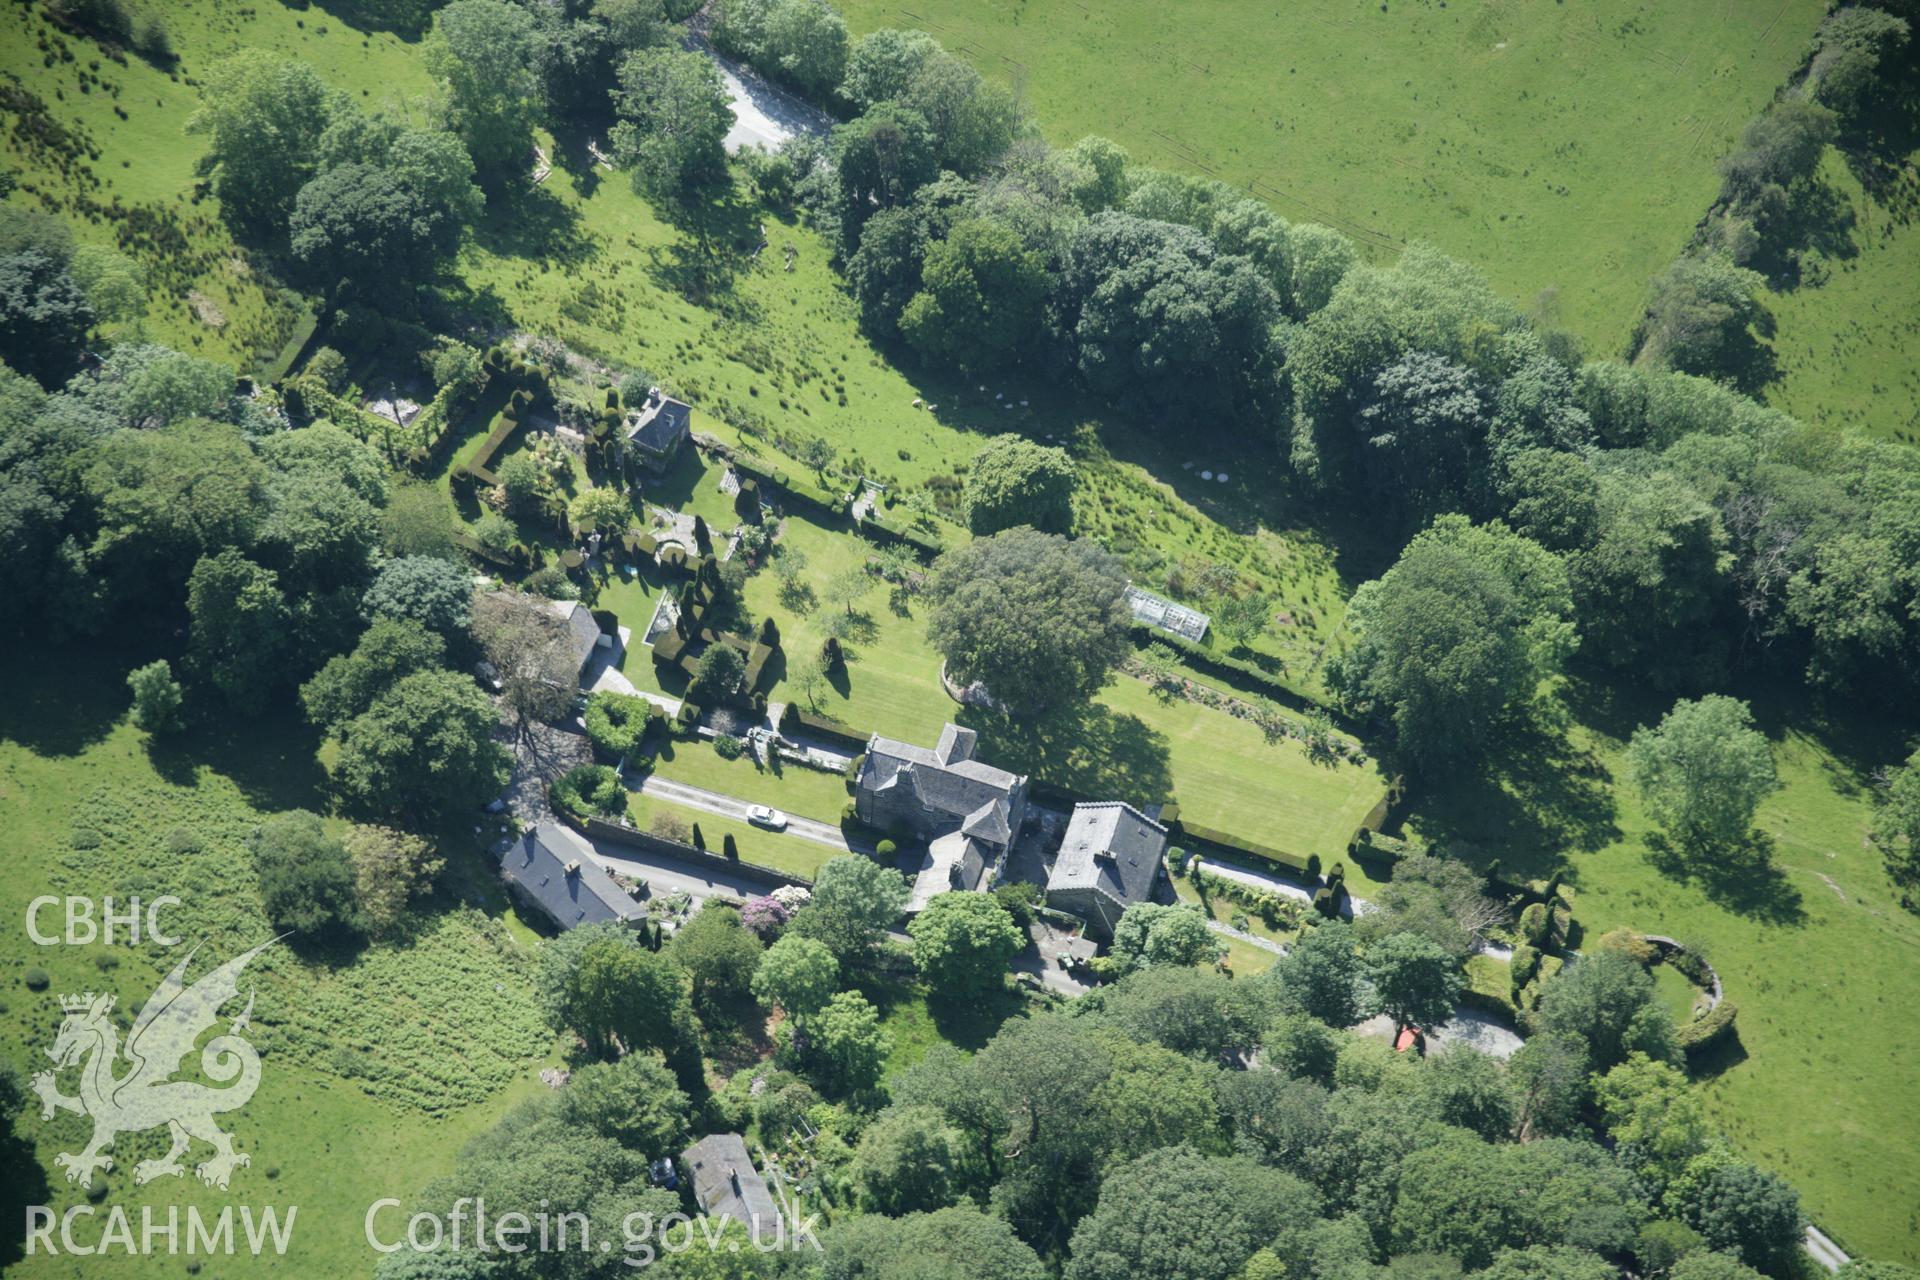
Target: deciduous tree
x: 240, y: 627
x: 1459, y: 633
x: 673, y: 121
x: 981, y: 292
x: 263, y: 114
x: 1014, y: 481
x: 1039, y: 618
x: 484, y: 54
x: 390, y: 868
x: 306, y: 881
x: 424, y: 746
x: 963, y: 943
x: 717, y: 952
x: 908, y: 1161
x: 799, y: 974
x: 846, y: 1038
x: 156, y: 697
x: 1704, y: 770
x: 1415, y: 982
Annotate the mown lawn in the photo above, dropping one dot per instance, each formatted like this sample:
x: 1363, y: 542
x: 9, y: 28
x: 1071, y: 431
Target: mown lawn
x: 794, y: 789
x: 785, y: 853
x: 1125, y: 743
x: 1564, y: 148
x: 379, y: 1063
x: 1812, y: 947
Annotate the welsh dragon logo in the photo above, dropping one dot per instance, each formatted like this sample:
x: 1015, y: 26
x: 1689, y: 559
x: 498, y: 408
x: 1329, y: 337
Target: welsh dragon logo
x: 170, y: 1022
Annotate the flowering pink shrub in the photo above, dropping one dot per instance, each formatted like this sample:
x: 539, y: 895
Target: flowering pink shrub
x: 765, y: 916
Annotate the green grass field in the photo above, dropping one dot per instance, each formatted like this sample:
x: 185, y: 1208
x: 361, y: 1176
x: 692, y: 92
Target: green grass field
x: 786, y: 853
x: 205, y: 298
x: 378, y: 1064
x: 1561, y: 147
x: 1846, y: 334
x: 1424, y: 120
x: 1813, y: 949
x: 803, y: 792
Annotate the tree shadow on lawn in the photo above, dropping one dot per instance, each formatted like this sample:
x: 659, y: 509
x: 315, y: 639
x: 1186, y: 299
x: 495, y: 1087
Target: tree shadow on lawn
x: 1818, y: 219
x: 719, y: 241
x: 1856, y: 742
x: 1086, y: 747
x: 736, y: 1034
x: 967, y: 1022
x: 270, y: 757
x: 407, y: 21
x: 19, y: 1169
x: 534, y: 224
x: 1530, y: 800
x: 60, y: 703
x: 1741, y: 877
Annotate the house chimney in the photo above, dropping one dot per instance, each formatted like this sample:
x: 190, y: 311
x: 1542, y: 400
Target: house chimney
x: 573, y: 866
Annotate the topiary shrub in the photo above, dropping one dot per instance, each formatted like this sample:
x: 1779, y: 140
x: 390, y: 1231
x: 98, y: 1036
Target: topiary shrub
x: 699, y: 838
x: 1706, y: 1031
x: 1535, y: 924
x: 1177, y: 859
x: 588, y: 790
x: 730, y: 848
x: 1631, y: 944
x: 885, y: 849
x: 616, y: 723
x: 727, y: 747
x: 37, y: 979
x: 1525, y: 965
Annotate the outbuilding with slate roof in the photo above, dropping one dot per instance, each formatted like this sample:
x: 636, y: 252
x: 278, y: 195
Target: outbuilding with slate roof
x: 553, y: 871
x: 656, y: 429
x: 726, y: 1185
x: 1109, y: 860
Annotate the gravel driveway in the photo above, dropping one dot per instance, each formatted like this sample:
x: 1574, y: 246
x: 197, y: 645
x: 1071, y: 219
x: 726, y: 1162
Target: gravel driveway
x: 763, y: 116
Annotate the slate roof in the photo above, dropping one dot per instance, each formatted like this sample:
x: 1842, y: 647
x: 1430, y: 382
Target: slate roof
x: 1111, y: 848
x: 555, y: 870
x: 660, y: 423
x: 583, y: 633
x: 946, y: 780
x: 952, y: 861
x: 726, y: 1184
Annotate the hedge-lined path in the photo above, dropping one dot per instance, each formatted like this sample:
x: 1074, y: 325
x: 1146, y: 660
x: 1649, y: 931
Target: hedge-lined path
x: 726, y: 806
x: 1252, y: 940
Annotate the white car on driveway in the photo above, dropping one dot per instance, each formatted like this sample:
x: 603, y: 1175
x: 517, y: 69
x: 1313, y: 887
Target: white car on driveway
x: 761, y: 816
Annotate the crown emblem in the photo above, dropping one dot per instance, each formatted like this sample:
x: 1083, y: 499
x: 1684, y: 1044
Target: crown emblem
x: 82, y: 1003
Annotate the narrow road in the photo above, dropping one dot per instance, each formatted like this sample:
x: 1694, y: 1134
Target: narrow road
x: 1824, y: 1251
x: 726, y: 806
